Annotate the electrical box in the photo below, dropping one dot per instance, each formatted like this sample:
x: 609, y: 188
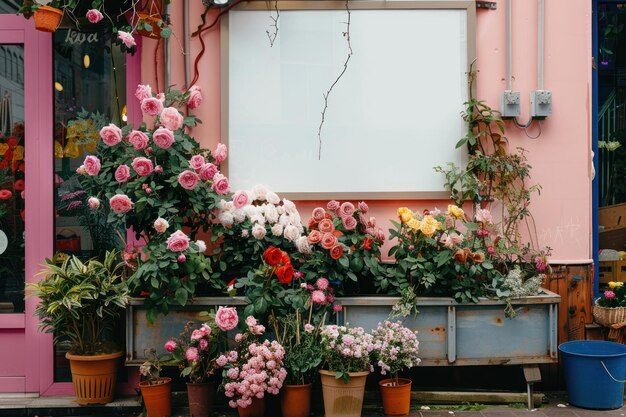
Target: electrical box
x: 540, y: 103
x: 510, y: 103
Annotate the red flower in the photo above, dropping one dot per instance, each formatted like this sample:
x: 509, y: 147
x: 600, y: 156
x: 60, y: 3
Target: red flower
x: 12, y: 142
x: 285, y: 274
x: 285, y: 260
x: 312, y: 224
x: 144, y: 293
x: 336, y: 252
x: 20, y: 185
x: 273, y: 256
x: 367, y: 243
x: 5, y: 194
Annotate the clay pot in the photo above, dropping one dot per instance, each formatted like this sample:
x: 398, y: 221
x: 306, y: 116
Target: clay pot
x: 94, y: 377
x: 47, y: 18
x: 201, y: 398
x: 396, y: 398
x: 157, y: 397
x: 256, y: 409
x: 295, y: 400
x: 341, y: 399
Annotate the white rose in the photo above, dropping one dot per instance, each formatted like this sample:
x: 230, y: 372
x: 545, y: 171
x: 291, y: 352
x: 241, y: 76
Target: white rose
x: 258, y: 218
x: 303, y: 246
x: 260, y: 192
x: 271, y: 214
x: 161, y: 225
x: 277, y: 229
x: 294, y: 218
x: 284, y: 219
x: 290, y: 207
x: 239, y: 215
x: 201, y: 245
x: 250, y: 211
x: 245, y: 233
x: 272, y: 197
x: 226, y: 218
x: 280, y: 209
x: 258, y: 231
x: 291, y: 233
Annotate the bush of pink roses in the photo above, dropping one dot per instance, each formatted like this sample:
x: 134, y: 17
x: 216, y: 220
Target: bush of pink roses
x: 156, y: 180
x: 346, y: 349
x: 396, y: 348
x: 253, y: 368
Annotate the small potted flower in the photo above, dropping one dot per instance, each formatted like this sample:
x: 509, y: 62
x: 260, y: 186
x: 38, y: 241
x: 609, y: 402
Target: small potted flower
x: 396, y: 349
x: 155, y: 390
x: 610, y: 308
x: 195, y: 351
x: 253, y: 368
x: 346, y: 353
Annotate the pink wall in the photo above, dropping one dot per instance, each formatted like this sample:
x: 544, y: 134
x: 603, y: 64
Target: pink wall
x: 560, y: 157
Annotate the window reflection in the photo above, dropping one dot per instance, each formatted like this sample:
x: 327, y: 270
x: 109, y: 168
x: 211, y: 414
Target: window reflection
x: 9, y: 6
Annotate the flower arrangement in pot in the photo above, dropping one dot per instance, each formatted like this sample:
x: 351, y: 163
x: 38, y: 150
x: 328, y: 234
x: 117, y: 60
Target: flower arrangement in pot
x: 80, y: 302
x: 347, y: 362
x: 251, y: 370
x: 155, y: 390
x: 396, y: 348
x: 195, y: 351
x: 610, y: 308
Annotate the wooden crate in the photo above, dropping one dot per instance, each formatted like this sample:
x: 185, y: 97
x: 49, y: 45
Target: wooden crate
x: 612, y: 271
x: 612, y: 217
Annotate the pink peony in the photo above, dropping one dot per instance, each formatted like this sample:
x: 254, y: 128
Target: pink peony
x: 192, y: 354
x: 196, y: 162
x: 226, y: 318
x: 188, y: 179
x: 93, y: 203
x: 207, y: 172
x: 220, y: 184
x: 163, y: 137
x: 319, y: 214
x: 142, y: 166
x: 120, y: 203
x: 609, y: 295
x: 346, y: 209
x: 220, y: 153
x: 349, y: 222
x: 170, y: 346
x: 240, y: 199
x: 204, y: 344
x: 111, y: 134
x: 333, y: 205
x: 122, y: 173
x: 363, y: 207
x: 92, y: 165
x: 143, y: 92
x: 178, y: 242
x: 318, y: 297
x: 171, y: 118
x: 94, y: 15
x: 195, y: 97
x: 321, y: 283
x: 126, y: 38
x: 138, y: 139
x: 151, y: 106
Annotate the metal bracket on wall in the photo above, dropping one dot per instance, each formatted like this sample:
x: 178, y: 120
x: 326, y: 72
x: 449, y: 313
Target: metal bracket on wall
x: 486, y: 5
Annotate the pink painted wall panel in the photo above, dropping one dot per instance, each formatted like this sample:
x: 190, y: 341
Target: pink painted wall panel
x: 12, y: 346
x: 560, y: 157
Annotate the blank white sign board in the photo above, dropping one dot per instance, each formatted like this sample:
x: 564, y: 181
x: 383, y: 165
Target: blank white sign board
x: 393, y: 115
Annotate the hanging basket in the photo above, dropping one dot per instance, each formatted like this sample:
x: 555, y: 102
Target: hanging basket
x: 606, y: 316
x: 47, y: 18
x: 149, y: 14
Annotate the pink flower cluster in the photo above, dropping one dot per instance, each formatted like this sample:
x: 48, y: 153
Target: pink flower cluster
x: 348, y: 348
x: 322, y: 293
x: 226, y: 318
x: 204, y: 170
x: 395, y: 347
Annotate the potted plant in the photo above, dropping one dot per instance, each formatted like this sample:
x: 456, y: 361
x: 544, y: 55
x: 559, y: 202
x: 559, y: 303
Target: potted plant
x: 253, y: 368
x: 48, y: 13
x: 79, y: 303
x: 346, y: 354
x: 396, y: 349
x: 195, y: 351
x: 610, y: 308
x: 155, y: 390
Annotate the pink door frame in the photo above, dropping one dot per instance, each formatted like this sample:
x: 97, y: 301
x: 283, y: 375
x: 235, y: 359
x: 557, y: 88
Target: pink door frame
x: 38, y: 352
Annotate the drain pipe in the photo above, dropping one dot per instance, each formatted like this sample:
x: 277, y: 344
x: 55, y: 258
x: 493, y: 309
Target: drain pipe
x: 187, y: 42
x: 508, y: 24
x: 540, y: 42
x: 166, y: 50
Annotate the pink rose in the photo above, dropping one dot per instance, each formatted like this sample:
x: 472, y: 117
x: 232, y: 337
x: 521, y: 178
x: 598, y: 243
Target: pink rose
x: 94, y: 15
x: 92, y: 165
x: 122, y: 173
x: 328, y: 240
x: 138, y: 139
x: 333, y: 205
x: 120, y: 203
x: 171, y: 118
x: 170, y: 346
x: 609, y: 295
x: 226, y: 318
x: 151, y: 106
x: 207, y: 171
x: 240, y: 199
x: 163, y: 137
x: 337, y: 308
x: 161, y: 225
x: 220, y: 184
x: 143, y: 92
x: 326, y: 226
x: 188, y: 179
x: 318, y: 214
x: 321, y: 283
x: 142, y: 166
x: 315, y: 236
x: 197, y: 334
x: 220, y: 153
x: 93, y: 203
x: 192, y: 354
x: 346, y: 209
x: 379, y: 234
x: 363, y: 207
x: 126, y: 38
x: 111, y: 134
x: 195, y: 97
x: 182, y: 258
x: 204, y: 344
x: 349, y: 222
x: 178, y: 242
x: 197, y: 162
x: 318, y: 297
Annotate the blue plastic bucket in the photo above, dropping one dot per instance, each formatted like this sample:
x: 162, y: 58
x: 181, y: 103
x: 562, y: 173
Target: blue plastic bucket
x: 594, y: 373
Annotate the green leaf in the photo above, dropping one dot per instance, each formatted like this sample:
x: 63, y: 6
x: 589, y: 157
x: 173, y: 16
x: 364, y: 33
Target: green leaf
x: 166, y: 32
x: 147, y: 26
x: 181, y: 296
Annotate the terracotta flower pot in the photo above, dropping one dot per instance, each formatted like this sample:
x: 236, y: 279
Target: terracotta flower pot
x: 341, y: 399
x: 201, y: 398
x: 94, y: 377
x: 47, y: 18
x: 295, y: 400
x: 256, y: 409
x: 396, y: 398
x: 157, y: 398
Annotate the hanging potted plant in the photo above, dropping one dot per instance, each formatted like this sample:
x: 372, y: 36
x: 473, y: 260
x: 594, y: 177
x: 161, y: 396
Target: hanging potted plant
x: 155, y: 390
x: 47, y: 13
x: 396, y: 349
x: 79, y: 303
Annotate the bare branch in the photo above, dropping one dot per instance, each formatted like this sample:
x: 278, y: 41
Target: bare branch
x: 272, y: 36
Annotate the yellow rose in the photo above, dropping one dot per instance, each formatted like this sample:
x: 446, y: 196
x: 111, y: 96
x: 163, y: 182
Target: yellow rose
x: 455, y: 211
x: 427, y: 229
x: 414, y: 224
x: 612, y: 284
x: 619, y: 284
x: 405, y: 214
x: 430, y: 220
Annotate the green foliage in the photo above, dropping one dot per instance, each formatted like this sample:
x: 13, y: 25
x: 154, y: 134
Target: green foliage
x: 79, y: 302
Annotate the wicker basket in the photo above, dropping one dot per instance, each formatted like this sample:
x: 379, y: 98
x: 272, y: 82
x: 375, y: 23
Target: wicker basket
x: 607, y: 316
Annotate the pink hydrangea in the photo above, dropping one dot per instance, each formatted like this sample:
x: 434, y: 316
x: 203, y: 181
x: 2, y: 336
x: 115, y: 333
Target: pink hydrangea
x: 170, y: 346
x: 151, y: 106
x: 220, y: 153
x: 178, y: 242
x: 138, y: 139
x: 142, y: 166
x: 188, y: 179
x: 163, y: 137
x: 226, y: 318
x: 94, y: 15
x: 204, y: 344
x: 92, y: 165
x: 171, y: 118
x: 122, y: 173
x: 111, y: 134
x: 143, y: 91
x: 220, y: 184
x: 121, y: 203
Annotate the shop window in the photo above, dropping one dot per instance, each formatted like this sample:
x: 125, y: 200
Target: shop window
x: 12, y: 184
x: 89, y: 88
x: 9, y: 6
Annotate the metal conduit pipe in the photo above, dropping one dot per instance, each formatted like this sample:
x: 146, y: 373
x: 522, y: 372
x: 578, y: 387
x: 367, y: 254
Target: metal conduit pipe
x: 187, y: 43
x: 166, y: 51
x: 508, y: 29
x: 540, y: 42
